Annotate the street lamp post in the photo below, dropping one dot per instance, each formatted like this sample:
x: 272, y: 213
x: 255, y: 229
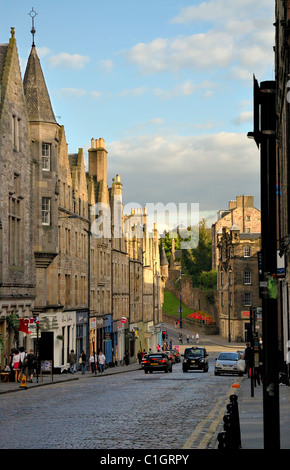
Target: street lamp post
x: 180, y: 299
x: 229, y: 309
x: 265, y: 137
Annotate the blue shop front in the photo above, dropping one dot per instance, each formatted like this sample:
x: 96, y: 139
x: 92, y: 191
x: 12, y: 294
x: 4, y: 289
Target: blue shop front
x: 108, y: 339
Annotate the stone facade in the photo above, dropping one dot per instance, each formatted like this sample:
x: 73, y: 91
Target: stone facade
x: 77, y: 266
x: 242, y: 213
x: 238, y: 281
x: 17, y: 274
x: 79, y: 285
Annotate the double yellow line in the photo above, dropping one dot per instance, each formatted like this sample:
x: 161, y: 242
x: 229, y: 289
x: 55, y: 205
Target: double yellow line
x: 221, y: 403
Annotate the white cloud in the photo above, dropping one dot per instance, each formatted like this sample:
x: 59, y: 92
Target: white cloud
x: 106, y: 65
x: 199, y: 50
x: 96, y: 94
x: 239, y: 38
x: 207, y: 169
x: 139, y: 91
x: 76, y: 93
x: 217, y: 11
x: 42, y: 51
x: 245, y: 116
x: 71, y: 61
x: 71, y: 92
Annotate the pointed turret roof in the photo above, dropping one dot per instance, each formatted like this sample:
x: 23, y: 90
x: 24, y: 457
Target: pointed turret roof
x: 38, y: 101
x: 163, y: 257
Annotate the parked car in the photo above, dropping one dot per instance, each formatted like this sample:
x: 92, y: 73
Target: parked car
x: 195, y: 358
x: 142, y: 361
x: 226, y: 363
x: 157, y: 362
x: 170, y: 356
x: 176, y: 354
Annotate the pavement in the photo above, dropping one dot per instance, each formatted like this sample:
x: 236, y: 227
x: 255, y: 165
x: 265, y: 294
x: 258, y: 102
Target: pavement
x: 250, y: 400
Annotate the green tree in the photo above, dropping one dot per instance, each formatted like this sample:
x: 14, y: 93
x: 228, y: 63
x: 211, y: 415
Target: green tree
x: 198, y: 260
x: 167, y: 242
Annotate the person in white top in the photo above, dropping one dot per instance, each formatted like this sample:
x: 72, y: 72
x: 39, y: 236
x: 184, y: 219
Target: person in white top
x: 15, y: 365
x: 102, y: 362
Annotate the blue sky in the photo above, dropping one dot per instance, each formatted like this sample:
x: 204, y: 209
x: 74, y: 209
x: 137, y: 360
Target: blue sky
x: 166, y: 83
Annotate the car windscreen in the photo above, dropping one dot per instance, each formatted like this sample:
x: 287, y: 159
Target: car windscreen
x: 228, y: 357
x: 194, y: 352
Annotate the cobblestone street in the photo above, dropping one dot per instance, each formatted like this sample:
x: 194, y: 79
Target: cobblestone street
x: 171, y: 411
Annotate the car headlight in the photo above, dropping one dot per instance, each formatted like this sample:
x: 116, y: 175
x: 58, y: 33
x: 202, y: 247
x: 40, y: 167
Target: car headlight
x: 201, y: 360
x: 217, y: 364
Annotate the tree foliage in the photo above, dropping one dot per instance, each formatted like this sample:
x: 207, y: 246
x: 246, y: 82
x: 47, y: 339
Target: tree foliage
x: 197, y: 261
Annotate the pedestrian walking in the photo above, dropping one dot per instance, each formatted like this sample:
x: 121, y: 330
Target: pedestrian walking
x: 72, y: 361
x: 101, y: 362
x: 126, y: 358
x: 142, y: 354
x: 29, y: 370
x: 187, y: 339
x: 16, y: 365
x: 197, y: 338
x: 93, y: 361
x: 83, y: 361
x: 248, y: 356
x: 139, y: 355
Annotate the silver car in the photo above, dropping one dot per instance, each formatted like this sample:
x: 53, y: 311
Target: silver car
x: 226, y: 363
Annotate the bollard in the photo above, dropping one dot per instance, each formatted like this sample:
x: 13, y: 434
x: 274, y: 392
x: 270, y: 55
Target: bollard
x: 236, y: 419
x: 222, y: 438
x: 230, y: 438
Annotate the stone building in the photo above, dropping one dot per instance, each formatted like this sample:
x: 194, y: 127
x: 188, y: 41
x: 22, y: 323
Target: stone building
x: 17, y: 270
x: 66, y: 258
x: 241, y: 212
x: 44, y: 149
x: 238, y: 281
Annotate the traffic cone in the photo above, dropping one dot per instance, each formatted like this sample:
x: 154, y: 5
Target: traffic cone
x: 23, y: 382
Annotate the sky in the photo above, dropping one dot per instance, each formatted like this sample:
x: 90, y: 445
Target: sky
x: 166, y: 83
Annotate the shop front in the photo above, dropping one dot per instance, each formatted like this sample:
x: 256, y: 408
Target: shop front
x: 81, y: 332
x: 107, y: 347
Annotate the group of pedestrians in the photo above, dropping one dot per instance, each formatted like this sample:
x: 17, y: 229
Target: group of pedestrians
x: 21, y: 363
x: 96, y: 362
x: 194, y: 338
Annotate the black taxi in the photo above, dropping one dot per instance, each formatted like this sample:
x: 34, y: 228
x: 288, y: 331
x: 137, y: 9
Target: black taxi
x: 195, y: 358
